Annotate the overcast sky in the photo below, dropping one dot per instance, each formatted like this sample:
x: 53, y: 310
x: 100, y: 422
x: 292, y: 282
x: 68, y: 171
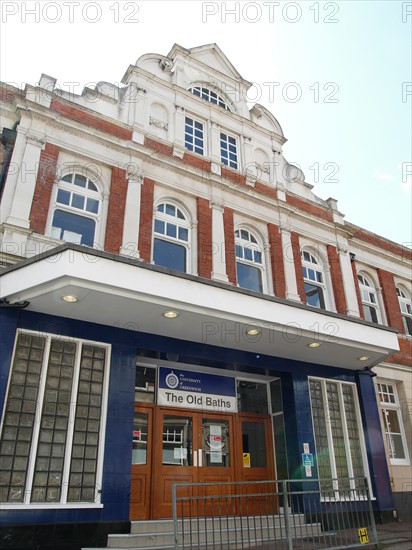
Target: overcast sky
x: 337, y: 76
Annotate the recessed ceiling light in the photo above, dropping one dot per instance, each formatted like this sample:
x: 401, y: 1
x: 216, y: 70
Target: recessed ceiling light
x: 314, y: 345
x: 364, y: 358
x: 70, y: 298
x: 253, y: 331
x: 170, y: 314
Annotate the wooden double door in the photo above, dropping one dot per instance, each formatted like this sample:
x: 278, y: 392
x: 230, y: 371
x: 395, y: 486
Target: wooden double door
x: 185, y: 446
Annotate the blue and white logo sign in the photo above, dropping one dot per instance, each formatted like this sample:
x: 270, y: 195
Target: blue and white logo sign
x: 196, y: 390
x: 172, y: 381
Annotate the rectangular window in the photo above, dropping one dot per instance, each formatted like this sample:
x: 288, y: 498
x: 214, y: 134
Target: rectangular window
x: 228, y: 151
x: 52, y: 426
x: 340, y: 449
x: 393, y: 425
x: 194, y: 136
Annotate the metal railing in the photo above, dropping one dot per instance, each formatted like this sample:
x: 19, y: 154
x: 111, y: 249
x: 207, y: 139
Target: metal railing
x: 307, y: 514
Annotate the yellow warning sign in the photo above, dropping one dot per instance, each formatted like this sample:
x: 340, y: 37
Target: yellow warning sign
x: 363, y: 535
x: 246, y: 460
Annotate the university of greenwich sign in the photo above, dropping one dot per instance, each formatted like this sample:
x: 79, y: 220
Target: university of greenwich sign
x: 196, y: 390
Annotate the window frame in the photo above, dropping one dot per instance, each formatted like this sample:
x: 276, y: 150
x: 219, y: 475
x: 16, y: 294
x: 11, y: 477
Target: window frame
x: 404, y: 299
x: 370, y: 287
x: 329, y: 436
x: 258, y: 246
x: 34, y: 441
x: 320, y: 269
x: 205, y: 90
x: 228, y: 162
x: 397, y: 408
x: 73, y: 189
x: 166, y: 218
x: 204, y: 138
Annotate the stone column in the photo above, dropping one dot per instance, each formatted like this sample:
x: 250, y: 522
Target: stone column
x: 289, y: 266
x: 218, y: 244
x: 132, y: 216
x: 348, y: 282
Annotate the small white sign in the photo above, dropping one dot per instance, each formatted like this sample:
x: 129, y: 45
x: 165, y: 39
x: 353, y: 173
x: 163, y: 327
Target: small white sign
x: 215, y: 430
x: 215, y: 457
x: 306, y: 448
x: 180, y: 453
x: 308, y: 471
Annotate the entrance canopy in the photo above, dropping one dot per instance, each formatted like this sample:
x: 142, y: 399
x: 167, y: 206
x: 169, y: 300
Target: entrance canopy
x: 126, y: 293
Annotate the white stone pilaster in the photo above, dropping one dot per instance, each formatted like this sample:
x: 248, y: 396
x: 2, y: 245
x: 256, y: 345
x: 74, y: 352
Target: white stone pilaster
x: 26, y: 182
x: 289, y: 266
x: 349, y: 288
x: 130, y: 240
x: 218, y: 244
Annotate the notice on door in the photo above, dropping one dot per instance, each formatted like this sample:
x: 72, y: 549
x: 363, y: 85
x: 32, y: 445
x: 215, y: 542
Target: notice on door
x: 246, y: 460
x: 196, y: 390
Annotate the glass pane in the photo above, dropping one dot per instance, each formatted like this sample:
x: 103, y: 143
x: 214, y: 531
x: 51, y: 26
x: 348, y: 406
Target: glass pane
x: 74, y: 224
x: 252, y: 397
x: 335, y: 419
x: 254, y: 443
x: 92, y: 206
x: 140, y: 434
x: 249, y: 277
x: 78, y: 201
x: 159, y: 227
x: 215, y: 442
x: 314, y: 296
x: 280, y: 446
x: 63, y: 197
x: 319, y: 424
x: 80, y: 180
x: 177, y: 440
x: 276, y: 396
x: 145, y: 384
x: 171, y: 230
x: 169, y: 255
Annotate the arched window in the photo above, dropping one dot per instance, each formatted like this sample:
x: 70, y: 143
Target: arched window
x: 171, y: 237
x: 76, y: 210
x: 406, y: 310
x: 314, y: 280
x: 369, y: 299
x: 209, y: 95
x: 249, y: 261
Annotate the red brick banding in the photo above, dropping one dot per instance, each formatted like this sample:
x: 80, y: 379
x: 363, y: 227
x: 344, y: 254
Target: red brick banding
x: 390, y: 299
x: 204, y: 238
x: 297, y: 259
x: 9, y: 93
x: 84, y: 117
x: 146, y: 220
x: 233, y: 175
x: 43, y: 189
x: 337, y: 280
x: 197, y: 162
x: 309, y: 207
x: 276, y: 260
x: 264, y: 189
x: 357, y: 289
x: 403, y: 251
x: 115, y: 215
x: 158, y: 146
x: 229, y: 228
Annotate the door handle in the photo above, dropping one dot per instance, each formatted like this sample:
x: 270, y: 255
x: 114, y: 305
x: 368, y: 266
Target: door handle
x: 200, y: 458
x: 195, y: 459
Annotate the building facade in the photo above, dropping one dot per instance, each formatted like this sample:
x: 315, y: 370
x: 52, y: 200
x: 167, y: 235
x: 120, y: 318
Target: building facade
x: 178, y: 305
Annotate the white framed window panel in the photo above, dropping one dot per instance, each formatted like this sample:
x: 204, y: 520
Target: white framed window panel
x: 38, y: 372
x: 339, y: 438
x: 393, y: 426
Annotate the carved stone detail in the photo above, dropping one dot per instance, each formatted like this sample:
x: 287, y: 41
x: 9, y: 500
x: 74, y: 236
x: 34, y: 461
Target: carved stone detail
x: 158, y: 123
x: 166, y: 64
x: 34, y: 140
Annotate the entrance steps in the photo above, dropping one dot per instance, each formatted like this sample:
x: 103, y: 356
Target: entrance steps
x: 232, y: 532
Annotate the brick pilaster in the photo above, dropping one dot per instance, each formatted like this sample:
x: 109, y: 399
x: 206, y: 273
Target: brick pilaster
x: 229, y: 226
x: 205, y: 247
x: 146, y: 220
x: 276, y: 260
x: 337, y: 279
x: 115, y: 215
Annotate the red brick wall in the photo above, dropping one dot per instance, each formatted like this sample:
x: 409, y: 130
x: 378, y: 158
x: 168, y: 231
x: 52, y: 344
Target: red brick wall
x: 115, y: 215
x: 357, y: 289
x: 276, y: 260
x: 44, y: 185
x: 404, y: 355
x: 294, y: 237
x: 337, y: 281
x: 376, y: 240
x: 309, y: 207
x: 264, y: 189
x: 229, y: 226
x: 146, y: 220
x: 233, y: 175
x: 204, y: 238
x: 196, y: 161
x: 390, y: 299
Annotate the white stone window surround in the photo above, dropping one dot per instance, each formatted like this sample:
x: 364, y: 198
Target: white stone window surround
x: 405, y: 304
x: 371, y: 277
x: 319, y: 252
x: 99, y: 174
x: 63, y: 504
x: 388, y: 399
x: 188, y: 207
x: 259, y: 232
